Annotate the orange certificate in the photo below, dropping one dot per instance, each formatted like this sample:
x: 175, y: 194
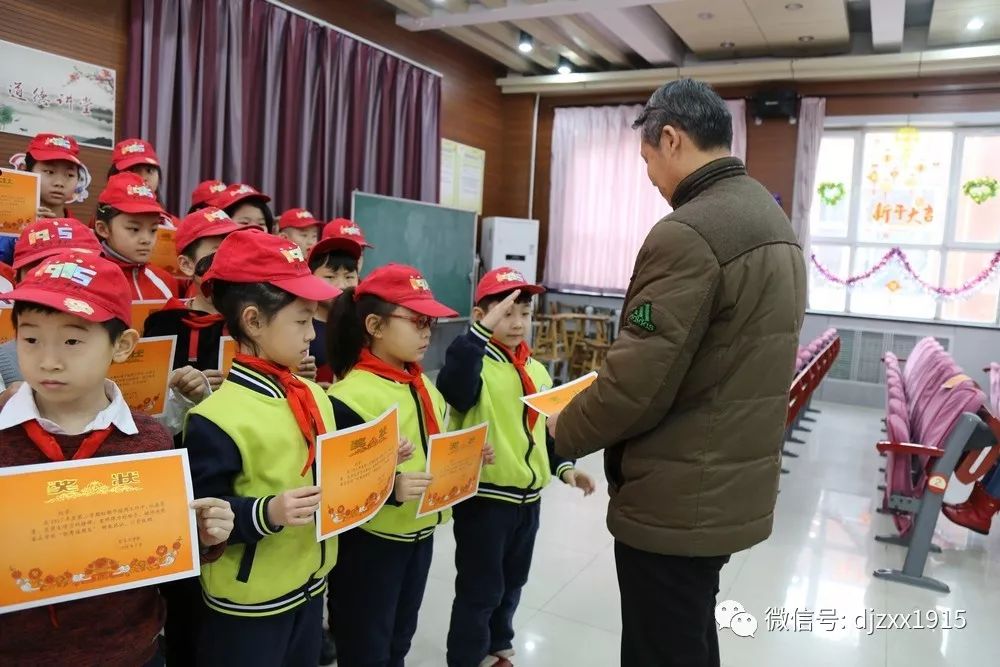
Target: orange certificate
x: 19, y: 192
x: 227, y: 350
x: 552, y: 401
x: 143, y: 309
x: 6, y: 324
x: 76, y: 529
x: 357, y: 471
x: 455, y: 461
x: 165, y: 250
x: 144, y: 378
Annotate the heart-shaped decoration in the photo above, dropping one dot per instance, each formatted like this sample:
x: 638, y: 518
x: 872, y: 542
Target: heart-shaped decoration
x: 831, y: 193
x: 980, y: 190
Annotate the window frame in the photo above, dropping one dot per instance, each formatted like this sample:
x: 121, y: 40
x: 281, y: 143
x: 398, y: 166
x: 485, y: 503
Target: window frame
x: 949, y: 242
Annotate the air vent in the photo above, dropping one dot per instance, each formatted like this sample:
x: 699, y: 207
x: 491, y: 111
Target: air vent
x: 861, y: 353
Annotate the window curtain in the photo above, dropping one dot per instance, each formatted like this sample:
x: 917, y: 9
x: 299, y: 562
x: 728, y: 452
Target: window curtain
x: 812, y: 115
x: 602, y: 204
x: 249, y: 92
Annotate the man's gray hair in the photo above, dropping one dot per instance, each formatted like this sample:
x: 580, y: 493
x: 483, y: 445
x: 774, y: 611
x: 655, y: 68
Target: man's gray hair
x: 691, y: 106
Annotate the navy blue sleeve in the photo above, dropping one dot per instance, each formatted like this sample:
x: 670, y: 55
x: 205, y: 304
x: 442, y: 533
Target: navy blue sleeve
x: 215, y: 462
x: 557, y: 464
x: 346, y: 418
x: 461, y: 381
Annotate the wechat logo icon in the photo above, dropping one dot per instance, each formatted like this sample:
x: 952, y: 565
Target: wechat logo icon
x: 731, y: 614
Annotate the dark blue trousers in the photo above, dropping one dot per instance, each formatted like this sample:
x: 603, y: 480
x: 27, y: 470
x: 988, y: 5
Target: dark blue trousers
x: 289, y: 639
x: 494, y: 541
x: 378, y: 587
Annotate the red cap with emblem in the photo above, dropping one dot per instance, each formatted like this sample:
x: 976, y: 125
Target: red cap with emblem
x: 128, y: 193
x: 504, y: 279
x: 254, y: 256
x: 205, y: 191
x: 237, y: 192
x: 203, y: 223
x: 48, y: 147
x: 297, y: 218
x: 131, y: 152
x: 341, y: 234
x: 404, y: 286
x: 51, y: 236
x: 80, y: 284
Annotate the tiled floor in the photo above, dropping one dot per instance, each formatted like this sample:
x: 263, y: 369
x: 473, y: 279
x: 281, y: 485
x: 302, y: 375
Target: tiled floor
x: 820, y: 557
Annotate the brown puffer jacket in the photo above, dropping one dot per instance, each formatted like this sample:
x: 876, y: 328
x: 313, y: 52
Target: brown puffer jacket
x: 691, y: 402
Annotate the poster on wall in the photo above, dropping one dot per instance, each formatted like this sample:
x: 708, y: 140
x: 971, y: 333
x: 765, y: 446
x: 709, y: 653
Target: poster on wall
x: 43, y: 92
x: 463, y: 169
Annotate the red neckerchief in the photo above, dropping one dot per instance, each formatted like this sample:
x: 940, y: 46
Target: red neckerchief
x: 413, y: 376
x: 519, y: 357
x: 300, y: 399
x: 46, y: 442
x: 193, y: 322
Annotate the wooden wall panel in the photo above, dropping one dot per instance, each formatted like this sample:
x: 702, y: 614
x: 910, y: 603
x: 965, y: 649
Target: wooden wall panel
x: 771, y: 145
x: 96, y: 32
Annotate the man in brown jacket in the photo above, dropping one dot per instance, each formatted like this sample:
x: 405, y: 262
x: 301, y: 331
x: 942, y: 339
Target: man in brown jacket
x: 690, y: 405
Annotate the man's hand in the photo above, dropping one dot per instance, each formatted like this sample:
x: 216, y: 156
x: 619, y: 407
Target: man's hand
x: 411, y: 485
x: 294, y: 508
x: 45, y: 212
x: 190, y: 383
x: 9, y: 391
x: 405, y: 451
x: 579, y: 480
x: 214, y: 378
x: 501, y: 310
x: 307, y: 368
x: 215, y: 520
x: 489, y: 454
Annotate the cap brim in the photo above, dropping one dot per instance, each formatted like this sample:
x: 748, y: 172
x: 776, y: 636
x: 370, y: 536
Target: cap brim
x: 139, y: 207
x: 299, y: 224
x: 329, y: 245
x: 134, y: 160
x: 218, y: 229
x: 29, y: 258
x: 309, y: 287
x: 58, y: 301
x: 225, y: 202
x: 429, y: 307
x: 526, y: 288
x: 53, y: 156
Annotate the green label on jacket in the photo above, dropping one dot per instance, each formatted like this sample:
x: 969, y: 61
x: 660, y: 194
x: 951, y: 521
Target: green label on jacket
x: 642, y: 317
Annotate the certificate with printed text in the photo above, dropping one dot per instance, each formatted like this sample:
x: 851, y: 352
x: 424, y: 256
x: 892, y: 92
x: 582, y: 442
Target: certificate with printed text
x: 6, y: 323
x: 141, y: 310
x: 75, y: 529
x: 552, y: 401
x: 356, y: 472
x: 455, y: 461
x: 144, y: 378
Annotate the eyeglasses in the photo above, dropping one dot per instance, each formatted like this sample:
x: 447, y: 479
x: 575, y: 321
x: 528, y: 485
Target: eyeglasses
x: 420, y: 321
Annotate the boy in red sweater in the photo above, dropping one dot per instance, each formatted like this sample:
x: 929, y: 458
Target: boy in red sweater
x: 72, y: 315
x: 128, y: 215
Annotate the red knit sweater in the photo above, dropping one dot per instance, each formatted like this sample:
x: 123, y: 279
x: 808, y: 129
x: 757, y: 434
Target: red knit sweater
x: 117, y: 629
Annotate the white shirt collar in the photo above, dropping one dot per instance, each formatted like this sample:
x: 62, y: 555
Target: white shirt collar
x: 21, y: 408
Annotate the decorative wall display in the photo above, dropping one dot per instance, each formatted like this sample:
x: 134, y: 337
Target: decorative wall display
x: 831, y: 193
x: 981, y: 190
x: 43, y: 92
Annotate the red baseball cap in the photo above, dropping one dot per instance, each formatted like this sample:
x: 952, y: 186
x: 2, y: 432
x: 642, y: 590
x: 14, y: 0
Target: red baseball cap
x: 127, y: 192
x: 206, y: 190
x: 297, y: 218
x: 48, y: 147
x: 254, y: 256
x: 51, y: 236
x: 340, y: 234
x: 504, y: 279
x: 235, y: 193
x: 80, y: 284
x: 130, y: 152
x: 403, y: 286
x: 7, y: 277
x: 203, y: 223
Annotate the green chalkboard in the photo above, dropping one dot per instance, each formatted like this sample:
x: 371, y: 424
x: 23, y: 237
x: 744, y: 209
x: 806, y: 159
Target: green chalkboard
x: 439, y: 241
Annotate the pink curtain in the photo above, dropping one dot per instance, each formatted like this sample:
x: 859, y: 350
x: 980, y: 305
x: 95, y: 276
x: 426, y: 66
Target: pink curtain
x: 602, y: 204
x: 249, y: 92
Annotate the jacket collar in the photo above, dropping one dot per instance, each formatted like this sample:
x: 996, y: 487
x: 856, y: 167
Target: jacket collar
x: 261, y: 383
x: 698, y: 181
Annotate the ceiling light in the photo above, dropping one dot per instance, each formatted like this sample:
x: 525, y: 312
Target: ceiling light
x: 727, y: 45
x: 975, y: 23
x: 565, y: 67
x: 793, y: 6
x: 706, y: 16
x: 806, y: 38
x: 525, y: 43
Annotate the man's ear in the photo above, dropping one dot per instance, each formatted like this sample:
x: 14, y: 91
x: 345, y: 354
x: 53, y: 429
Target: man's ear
x: 125, y: 346
x: 186, y: 265
x: 102, y: 229
x: 373, y: 325
x: 251, y: 320
x: 670, y: 139
x: 477, y: 313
